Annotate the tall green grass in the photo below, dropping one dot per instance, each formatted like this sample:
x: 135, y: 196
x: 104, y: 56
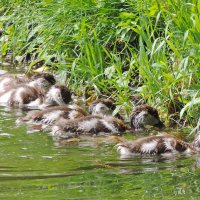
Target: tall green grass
x: 112, y: 47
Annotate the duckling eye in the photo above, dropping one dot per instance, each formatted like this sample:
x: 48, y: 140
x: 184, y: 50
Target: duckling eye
x: 103, y: 108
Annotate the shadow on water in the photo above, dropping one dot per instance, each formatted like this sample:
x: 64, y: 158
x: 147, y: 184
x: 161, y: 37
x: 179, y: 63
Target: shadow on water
x: 30, y: 177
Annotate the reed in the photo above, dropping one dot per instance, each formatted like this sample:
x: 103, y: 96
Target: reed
x: 118, y: 48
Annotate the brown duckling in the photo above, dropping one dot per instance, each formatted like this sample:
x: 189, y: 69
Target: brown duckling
x: 145, y: 115
x: 87, y: 125
x: 57, y: 95
x: 25, y: 95
x: 156, y: 145
x: 10, y: 81
x: 51, y: 114
x: 20, y: 95
x: 103, y: 107
x: 42, y: 80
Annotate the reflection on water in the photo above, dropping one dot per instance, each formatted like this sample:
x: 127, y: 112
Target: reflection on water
x: 150, y: 164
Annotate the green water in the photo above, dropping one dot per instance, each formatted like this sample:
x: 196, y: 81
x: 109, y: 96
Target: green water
x: 33, y: 166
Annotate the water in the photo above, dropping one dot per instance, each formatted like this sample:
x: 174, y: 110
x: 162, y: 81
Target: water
x: 34, y: 166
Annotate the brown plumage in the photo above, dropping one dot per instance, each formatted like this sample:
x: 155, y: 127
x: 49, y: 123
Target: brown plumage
x: 64, y: 92
x: 51, y: 114
x: 103, y: 107
x: 48, y: 77
x: 10, y: 81
x: 156, y: 145
x: 33, y: 96
x: 56, y: 95
x: 87, y: 125
x: 144, y: 115
x: 21, y: 95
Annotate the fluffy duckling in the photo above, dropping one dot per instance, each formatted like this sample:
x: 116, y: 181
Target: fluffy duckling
x: 103, y: 107
x: 57, y: 95
x: 20, y: 95
x: 87, y: 125
x: 42, y: 80
x: 51, y: 114
x: 10, y: 81
x: 145, y: 115
x: 157, y: 145
x: 25, y: 95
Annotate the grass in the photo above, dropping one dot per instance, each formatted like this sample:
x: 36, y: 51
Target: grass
x: 118, y: 48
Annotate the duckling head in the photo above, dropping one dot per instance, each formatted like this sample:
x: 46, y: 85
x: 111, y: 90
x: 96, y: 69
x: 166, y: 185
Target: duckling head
x: 59, y: 95
x: 102, y: 107
x: 145, y: 116
x: 43, y: 80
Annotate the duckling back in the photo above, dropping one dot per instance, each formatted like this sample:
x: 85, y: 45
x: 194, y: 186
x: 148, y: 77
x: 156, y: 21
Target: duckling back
x: 87, y: 125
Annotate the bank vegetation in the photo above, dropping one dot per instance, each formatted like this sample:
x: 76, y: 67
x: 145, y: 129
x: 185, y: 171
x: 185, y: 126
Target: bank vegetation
x: 124, y: 49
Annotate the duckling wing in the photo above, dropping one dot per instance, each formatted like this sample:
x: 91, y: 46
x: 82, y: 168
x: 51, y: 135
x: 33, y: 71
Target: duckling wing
x: 142, y: 146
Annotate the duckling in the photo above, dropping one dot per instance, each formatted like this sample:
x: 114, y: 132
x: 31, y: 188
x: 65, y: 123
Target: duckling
x: 20, y: 95
x: 43, y: 80
x: 160, y: 144
x: 57, y: 95
x: 87, y: 125
x: 25, y: 95
x: 145, y: 115
x: 103, y: 107
x: 10, y: 81
x: 51, y: 114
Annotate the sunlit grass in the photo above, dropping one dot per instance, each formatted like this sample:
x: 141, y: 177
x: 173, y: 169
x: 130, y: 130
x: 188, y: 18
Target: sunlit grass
x: 117, y: 48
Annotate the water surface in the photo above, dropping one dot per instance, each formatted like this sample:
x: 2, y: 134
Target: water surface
x: 34, y: 166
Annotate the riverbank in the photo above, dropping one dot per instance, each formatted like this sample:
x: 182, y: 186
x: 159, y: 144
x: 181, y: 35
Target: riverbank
x: 120, y: 49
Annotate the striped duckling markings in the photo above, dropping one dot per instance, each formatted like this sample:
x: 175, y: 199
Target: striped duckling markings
x: 51, y: 114
x: 10, y: 81
x: 57, y: 95
x: 158, y: 145
x: 28, y: 96
x: 89, y: 125
x: 104, y: 122
x: 102, y: 106
x: 22, y: 94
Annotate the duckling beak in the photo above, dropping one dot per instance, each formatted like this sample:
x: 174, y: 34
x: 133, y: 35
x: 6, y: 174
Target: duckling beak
x: 160, y: 125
